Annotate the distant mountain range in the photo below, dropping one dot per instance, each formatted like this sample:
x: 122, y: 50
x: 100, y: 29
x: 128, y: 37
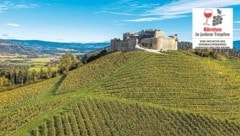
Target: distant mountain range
x: 34, y: 47
x: 6, y: 47
x: 45, y: 47
x: 53, y: 47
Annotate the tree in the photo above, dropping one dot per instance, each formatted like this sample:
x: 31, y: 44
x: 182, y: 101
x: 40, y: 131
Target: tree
x: 34, y: 75
x: 1, y: 81
x: 68, y: 62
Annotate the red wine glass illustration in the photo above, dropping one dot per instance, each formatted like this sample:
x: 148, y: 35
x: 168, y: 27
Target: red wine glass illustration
x: 207, y: 14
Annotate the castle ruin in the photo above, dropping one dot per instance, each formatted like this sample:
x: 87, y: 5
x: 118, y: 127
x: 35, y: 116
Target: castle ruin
x: 149, y: 39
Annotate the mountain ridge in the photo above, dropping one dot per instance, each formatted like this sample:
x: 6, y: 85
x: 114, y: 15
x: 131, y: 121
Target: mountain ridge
x: 11, y: 48
x: 49, y: 47
x: 72, y: 46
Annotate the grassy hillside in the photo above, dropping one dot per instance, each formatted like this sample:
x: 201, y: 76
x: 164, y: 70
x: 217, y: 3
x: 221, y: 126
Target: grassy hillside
x: 133, y: 93
x: 94, y: 72
x: 182, y: 82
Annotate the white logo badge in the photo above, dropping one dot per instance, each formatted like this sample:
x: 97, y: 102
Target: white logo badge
x: 212, y: 28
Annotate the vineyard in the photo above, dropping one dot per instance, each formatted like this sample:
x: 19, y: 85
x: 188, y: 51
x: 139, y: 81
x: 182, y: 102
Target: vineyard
x: 181, y: 82
x: 98, y: 117
x: 130, y: 93
x: 25, y: 93
x: 96, y: 71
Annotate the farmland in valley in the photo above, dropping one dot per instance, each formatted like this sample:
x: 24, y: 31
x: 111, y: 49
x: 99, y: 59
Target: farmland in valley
x: 130, y: 93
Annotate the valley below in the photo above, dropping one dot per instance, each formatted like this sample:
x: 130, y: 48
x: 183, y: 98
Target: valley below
x: 130, y: 93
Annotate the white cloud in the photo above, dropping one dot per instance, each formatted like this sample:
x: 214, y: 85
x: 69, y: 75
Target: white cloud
x: 59, y: 40
x: 115, y: 13
x: 10, y: 5
x: 180, y: 8
x: 25, y: 6
x: 149, y: 19
x: 138, y: 6
x: 3, y: 7
x: 5, y: 35
x: 12, y: 25
x: 120, y: 24
x: 185, y: 6
x: 236, y: 22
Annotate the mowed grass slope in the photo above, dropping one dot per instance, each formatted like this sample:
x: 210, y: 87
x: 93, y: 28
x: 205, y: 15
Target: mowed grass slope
x: 132, y: 93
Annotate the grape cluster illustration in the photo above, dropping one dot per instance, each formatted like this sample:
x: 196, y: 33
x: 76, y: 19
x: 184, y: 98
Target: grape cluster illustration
x: 217, y: 20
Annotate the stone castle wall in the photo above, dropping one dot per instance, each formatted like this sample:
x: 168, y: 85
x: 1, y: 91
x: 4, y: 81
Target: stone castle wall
x: 123, y: 45
x: 151, y: 39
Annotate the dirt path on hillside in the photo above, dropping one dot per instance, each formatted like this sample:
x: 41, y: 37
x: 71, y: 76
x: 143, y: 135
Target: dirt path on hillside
x: 148, y: 50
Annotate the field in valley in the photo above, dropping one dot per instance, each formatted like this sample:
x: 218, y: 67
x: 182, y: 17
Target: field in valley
x: 133, y: 93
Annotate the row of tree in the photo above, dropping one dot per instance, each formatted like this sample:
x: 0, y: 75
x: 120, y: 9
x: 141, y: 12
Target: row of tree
x: 20, y: 76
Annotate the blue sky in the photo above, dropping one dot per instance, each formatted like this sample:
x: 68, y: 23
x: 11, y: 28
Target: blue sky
x: 101, y: 20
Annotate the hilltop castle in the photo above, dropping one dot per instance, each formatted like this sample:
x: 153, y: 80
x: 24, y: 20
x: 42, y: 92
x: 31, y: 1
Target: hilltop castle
x: 149, y: 39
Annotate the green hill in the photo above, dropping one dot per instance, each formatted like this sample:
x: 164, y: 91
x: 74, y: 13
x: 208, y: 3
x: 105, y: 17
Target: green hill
x: 132, y: 93
x: 103, y: 117
x: 175, y: 80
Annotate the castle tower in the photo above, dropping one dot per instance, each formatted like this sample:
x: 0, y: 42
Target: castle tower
x: 158, y: 33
